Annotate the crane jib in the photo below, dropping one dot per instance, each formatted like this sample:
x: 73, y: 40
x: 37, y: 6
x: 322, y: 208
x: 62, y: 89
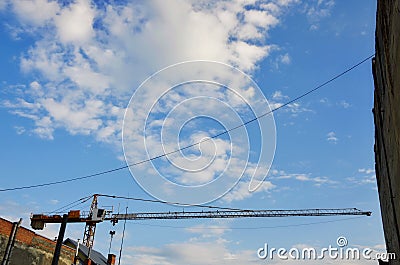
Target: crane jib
x: 237, y: 214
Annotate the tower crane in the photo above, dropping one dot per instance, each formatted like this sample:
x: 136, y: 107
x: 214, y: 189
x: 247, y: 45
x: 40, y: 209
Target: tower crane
x: 97, y: 215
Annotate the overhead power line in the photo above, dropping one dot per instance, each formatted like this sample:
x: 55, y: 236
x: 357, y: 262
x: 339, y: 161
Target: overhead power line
x: 171, y: 203
x: 64, y: 181
x: 191, y: 145
x: 71, y: 205
x: 68, y: 206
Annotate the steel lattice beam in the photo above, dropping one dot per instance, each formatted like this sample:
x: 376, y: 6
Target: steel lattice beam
x: 237, y: 214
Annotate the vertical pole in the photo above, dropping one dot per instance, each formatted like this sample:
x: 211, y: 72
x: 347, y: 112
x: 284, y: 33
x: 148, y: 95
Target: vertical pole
x: 11, y: 241
x: 77, y: 248
x: 77, y: 252
x: 60, y: 240
x: 88, y: 255
x: 123, y: 235
x: 112, y: 233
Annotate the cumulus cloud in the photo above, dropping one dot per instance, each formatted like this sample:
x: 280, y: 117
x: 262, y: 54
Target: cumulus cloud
x: 88, y: 58
x: 36, y: 12
x: 75, y: 22
x: 89, y: 52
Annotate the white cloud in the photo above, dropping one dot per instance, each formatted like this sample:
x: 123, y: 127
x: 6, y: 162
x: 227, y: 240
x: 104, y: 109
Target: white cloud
x: 324, y: 101
x: 213, y: 160
x: 19, y: 130
x: 35, y: 12
x: 331, y: 137
x: 85, y: 54
x: 282, y: 59
x: 227, y: 156
x: 271, y: 7
x: 317, y: 181
x: 287, y: 2
x: 278, y: 95
x: 54, y: 201
x: 3, y: 4
x: 278, y: 99
x: 369, y: 180
x: 302, y: 178
x: 87, y: 60
x: 366, y: 170
x: 43, y: 130
x: 260, y: 18
x: 296, y: 108
x: 207, y: 231
x: 317, y: 10
x: 76, y: 118
x: 285, y: 59
x: 75, y: 22
x: 241, y: 191
x: 365, y: 176
x: 219, y: 252
x: 344, y: 104
x: 213, y: 252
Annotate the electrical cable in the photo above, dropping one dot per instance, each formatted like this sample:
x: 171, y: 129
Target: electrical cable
x: 64, y: 181
x: 191, y: 145
x: 172, y: 203
x: 71, y: 205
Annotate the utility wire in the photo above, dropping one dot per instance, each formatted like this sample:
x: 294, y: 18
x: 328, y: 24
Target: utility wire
x: 172, y: 203
x: 85, y: 199
x: 65, y: 180
x: 71, y: 205
x: 295, y: 99
x: 189, y: 146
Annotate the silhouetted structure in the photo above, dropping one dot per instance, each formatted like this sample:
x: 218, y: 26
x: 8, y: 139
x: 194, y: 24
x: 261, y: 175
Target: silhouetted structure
x: 386, y: 70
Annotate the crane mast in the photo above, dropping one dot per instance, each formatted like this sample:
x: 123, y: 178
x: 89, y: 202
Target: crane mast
x: 90, y: 228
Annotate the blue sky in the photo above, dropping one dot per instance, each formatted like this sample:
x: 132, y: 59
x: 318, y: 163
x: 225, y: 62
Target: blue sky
x: 69, y: 70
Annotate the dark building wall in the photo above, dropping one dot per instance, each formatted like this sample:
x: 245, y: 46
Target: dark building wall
x: 31, y: 248
x: 386, y: 69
